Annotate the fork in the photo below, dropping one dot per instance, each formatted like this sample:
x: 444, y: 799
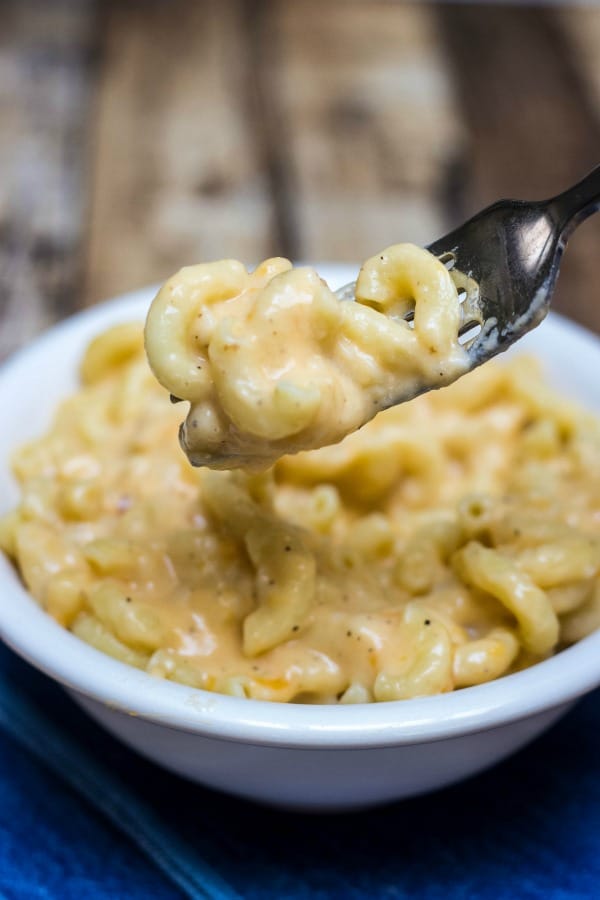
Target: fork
x: 505, y: 263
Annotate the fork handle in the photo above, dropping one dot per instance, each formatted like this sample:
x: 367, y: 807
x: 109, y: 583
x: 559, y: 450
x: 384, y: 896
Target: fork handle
x: 574, y: 205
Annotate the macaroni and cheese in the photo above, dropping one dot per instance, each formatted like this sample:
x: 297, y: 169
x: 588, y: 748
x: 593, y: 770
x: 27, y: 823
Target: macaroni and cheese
x: 451, y: 540
x: 273, y: 362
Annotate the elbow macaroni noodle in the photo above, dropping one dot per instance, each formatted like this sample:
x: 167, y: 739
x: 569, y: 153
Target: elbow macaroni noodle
x: 451, y: 540
x: 273, y: 363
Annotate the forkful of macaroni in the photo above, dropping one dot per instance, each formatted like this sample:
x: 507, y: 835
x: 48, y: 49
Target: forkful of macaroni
x: 274, y: 362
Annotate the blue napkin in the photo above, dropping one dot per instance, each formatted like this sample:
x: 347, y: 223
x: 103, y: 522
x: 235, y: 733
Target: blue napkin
x: 83, y: 817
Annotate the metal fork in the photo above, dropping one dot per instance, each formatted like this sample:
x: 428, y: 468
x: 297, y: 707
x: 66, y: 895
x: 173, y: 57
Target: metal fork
x: 505, y: 262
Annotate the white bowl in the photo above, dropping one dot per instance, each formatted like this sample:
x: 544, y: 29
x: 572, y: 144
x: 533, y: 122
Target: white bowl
x: 305, y: 757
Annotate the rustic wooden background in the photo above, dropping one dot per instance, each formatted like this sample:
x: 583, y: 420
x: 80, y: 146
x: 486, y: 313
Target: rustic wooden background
x: 140, y: 135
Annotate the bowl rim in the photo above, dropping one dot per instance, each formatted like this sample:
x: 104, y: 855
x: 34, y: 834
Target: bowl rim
x: 36, y: 637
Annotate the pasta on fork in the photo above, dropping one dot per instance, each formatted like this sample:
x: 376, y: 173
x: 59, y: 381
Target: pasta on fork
x: 272, y: 362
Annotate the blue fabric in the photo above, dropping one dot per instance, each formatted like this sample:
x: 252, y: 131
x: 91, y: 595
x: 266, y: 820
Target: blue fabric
x: 83, y: 817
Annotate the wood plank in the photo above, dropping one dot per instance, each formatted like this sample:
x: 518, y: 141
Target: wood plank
x: 179, y: 175
x: 46, y: 75
x: 582, y: 32
x: 357, y: 100
x: 533, y: 128
x: 579, y: 274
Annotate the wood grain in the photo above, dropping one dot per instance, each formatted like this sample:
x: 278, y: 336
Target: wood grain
x: 178, y: 175
x: 139, y: 136
x: 532, y: 126
x: 46, y: 81
x: 362, y: 116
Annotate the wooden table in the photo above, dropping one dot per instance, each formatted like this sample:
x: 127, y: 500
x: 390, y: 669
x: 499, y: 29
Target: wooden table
x: 139, y: 136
